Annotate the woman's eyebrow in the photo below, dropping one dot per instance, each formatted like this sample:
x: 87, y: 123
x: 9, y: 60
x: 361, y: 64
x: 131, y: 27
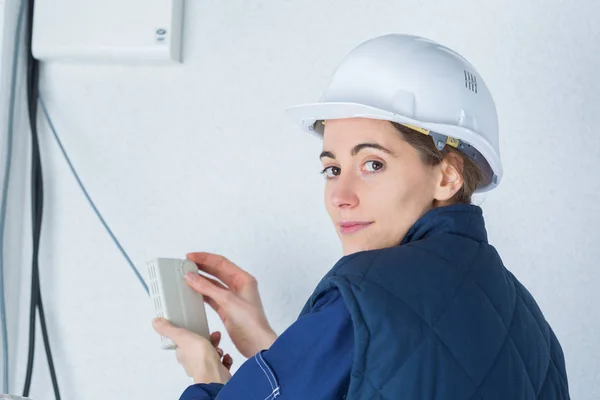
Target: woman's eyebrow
x: 356, y: 149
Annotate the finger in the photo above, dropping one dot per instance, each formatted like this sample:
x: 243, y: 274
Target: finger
x: 205, y: 287
x: 227, y: 361
x: 213, y: 281
x: 216, y: 282
x: 164, y: 328
x: 212, y: 303
x: 219, y: 266
x: 215, y: 338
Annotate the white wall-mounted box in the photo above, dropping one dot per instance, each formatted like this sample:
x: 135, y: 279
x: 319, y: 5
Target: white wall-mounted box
x: 108, y: 30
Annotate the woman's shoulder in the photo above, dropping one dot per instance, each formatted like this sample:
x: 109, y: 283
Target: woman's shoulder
x: 426, y: 271
x: 443, y: 255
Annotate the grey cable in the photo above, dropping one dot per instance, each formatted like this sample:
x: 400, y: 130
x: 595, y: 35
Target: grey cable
x: 87, y: 196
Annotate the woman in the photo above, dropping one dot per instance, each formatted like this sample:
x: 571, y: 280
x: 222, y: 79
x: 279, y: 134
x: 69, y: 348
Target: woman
x: 420, y: 306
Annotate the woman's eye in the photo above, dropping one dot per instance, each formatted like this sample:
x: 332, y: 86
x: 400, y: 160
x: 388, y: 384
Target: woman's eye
x: 371, y: 167
x: 330, y: 172
x: 375, y: 166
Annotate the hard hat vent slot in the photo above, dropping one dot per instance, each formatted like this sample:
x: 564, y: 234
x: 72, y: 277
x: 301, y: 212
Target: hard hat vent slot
x: 470, y: 81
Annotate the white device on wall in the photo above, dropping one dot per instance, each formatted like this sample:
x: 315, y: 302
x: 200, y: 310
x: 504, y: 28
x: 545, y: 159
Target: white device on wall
x: 108, y: 30
x: 173, y: 299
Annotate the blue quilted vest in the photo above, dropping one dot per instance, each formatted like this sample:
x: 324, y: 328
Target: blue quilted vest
x: 440, y: 317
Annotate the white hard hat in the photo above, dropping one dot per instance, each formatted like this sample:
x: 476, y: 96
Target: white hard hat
x: 419, y: 83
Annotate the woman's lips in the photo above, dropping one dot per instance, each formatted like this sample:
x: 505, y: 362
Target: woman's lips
x: 351, y: 227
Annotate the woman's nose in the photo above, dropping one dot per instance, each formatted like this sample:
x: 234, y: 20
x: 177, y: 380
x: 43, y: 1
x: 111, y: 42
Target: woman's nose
x: 344, y: 192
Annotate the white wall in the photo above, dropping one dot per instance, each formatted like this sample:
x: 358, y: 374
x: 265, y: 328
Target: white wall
x: 199, y: 157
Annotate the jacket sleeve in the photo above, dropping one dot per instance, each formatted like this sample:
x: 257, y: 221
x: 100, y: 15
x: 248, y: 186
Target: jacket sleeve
x: 312, y: 359
x: 207, y: 391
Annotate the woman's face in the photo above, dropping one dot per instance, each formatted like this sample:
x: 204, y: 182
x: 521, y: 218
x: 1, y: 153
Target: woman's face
x: 376, y: 179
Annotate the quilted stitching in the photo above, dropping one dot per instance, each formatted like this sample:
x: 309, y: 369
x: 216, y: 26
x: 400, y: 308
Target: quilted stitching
x: 507, y: 339
x: 497, y: 354
x: 431, y: 331
x: 507, y: 358
x: 548, y: 342
x: 508, y: 331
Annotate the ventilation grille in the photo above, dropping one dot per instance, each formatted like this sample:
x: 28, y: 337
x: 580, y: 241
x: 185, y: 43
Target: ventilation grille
x: 470, y: 81
x: 155, y: 294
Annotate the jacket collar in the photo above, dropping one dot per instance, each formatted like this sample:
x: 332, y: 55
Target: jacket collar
x: 458, y: 219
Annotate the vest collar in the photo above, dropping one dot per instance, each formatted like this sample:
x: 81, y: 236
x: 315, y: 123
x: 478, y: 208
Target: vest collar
x: 459, y: 219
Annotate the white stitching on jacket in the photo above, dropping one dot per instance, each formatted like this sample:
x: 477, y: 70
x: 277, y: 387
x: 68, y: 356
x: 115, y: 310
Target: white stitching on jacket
x: 274, y: 384
x: 273, y: 395
x: 268, y: 369
x: 263, y: 370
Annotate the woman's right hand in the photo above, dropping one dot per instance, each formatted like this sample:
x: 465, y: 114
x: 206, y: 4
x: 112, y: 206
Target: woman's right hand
x: 238, y: 304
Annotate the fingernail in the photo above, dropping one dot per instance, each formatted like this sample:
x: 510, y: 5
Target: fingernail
x: 190, y: 276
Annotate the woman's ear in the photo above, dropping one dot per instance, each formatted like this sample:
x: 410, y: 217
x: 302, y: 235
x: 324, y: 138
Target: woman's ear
x: 451, y: 180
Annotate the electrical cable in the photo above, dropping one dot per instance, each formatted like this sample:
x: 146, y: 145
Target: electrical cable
x: 6, y: 181
x: 87, y: 196
x: 37, y: 206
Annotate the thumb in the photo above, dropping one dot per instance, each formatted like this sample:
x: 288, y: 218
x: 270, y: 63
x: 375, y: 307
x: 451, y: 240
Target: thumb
x: 165, y: 328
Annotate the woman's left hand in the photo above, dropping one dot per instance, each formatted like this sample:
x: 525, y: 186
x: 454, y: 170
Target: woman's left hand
x: 199, y: 357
